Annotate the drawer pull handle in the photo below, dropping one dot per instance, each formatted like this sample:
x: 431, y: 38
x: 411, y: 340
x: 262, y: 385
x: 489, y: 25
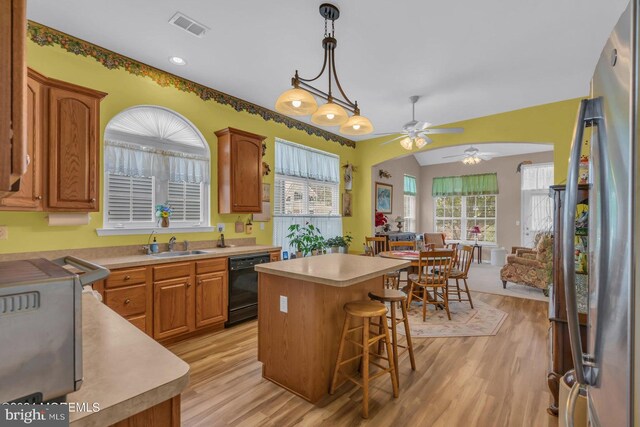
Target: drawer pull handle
x: 127, y: 277
x: 38, y: 197
x: 188, y: 284
x: 93, y: 200
x: 127, y: 301
x: 200, y: 282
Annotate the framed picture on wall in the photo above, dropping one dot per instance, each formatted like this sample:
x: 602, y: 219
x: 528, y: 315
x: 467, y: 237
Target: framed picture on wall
x: 346, y: 204
x: 384, y: 197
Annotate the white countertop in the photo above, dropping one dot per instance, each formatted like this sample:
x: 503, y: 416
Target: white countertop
x: 333, y: 269
x: 124, y: 370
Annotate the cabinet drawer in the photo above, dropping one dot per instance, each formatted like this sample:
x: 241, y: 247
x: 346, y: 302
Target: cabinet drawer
x: 274, y: 256
x: 211, y: 265
x: 171, y: 271
x: 127, y: 301
x: 139, y: 321
x: 128, y: 277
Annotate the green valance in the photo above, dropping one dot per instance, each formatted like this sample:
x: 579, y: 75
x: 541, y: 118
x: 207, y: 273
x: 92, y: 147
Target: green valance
x: 410, y: 185
x: 466, y: 185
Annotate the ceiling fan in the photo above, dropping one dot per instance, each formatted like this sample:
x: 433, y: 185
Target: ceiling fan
x: 472, y: 156
x: 415, y: 132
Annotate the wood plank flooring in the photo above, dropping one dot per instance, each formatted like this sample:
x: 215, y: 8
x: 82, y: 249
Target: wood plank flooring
x: 476, y: 381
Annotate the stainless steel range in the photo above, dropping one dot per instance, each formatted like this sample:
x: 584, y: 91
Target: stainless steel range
x: 41, y: 327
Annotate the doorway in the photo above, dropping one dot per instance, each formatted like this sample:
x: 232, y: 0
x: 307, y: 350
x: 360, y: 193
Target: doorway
x: 537, y: 207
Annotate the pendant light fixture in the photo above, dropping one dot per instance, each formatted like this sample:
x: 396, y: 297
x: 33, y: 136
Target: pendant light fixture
x: 300, y: 100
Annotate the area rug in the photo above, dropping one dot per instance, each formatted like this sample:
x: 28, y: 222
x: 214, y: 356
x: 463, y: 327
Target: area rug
x: 482, y: 320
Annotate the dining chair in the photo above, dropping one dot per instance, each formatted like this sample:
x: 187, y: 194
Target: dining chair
x: 460, y: 271
x: 402, y: 245
x: 375, y: 245
x: 435, y: 281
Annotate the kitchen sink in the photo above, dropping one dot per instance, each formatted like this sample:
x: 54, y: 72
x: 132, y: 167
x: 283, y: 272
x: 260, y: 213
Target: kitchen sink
x: 178, y: 254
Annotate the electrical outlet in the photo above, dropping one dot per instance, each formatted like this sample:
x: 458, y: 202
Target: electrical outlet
x: 4, y: 232
x: 220, y: 228
x: 517, y: 223
x: 262, y: 226
x: 284, y: 307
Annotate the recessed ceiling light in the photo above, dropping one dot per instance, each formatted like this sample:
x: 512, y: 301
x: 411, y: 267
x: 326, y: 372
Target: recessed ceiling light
x: 176, y: 60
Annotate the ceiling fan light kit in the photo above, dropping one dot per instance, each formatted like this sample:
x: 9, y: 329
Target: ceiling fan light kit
x: 472, y: 156
x: 300, y: 101
x: 415, y: 132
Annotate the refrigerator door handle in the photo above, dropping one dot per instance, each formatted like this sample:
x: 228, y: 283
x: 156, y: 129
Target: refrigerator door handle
x: 570, y: 409
x: 568, y: 242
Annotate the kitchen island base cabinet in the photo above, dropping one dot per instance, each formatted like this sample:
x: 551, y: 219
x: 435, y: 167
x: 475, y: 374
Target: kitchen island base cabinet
x: 298, y: 348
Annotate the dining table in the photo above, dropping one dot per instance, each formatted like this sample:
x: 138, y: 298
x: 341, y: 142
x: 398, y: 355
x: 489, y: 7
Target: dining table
x: 413, y: 256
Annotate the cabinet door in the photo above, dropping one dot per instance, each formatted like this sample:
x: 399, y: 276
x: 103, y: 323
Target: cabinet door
x: 274, y: 256
x: 29, y: 197
x: 13, y: 75
x: 211, y: 298
x: 73, y: 151
x: 172, y: 307
x: 246, y: 171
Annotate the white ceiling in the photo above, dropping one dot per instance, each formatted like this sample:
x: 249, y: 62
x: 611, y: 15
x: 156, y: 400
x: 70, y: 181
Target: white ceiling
x: 500, y: 149
x: 467, y: 58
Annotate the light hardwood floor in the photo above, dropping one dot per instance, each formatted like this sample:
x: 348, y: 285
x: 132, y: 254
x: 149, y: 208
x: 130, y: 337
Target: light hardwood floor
x: 482, y: 381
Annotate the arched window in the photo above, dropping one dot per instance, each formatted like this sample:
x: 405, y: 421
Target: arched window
x: 154, y: 156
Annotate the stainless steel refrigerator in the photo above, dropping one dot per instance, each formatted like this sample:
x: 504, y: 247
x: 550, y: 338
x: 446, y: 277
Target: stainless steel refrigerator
x: 610, y: 115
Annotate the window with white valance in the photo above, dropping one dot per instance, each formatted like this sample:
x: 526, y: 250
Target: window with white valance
x: 307, y: 188
x: 155, y: 156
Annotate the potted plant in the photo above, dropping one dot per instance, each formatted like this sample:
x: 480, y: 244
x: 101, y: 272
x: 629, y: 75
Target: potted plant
x: 345, y: 242
x: 306, y: 239
x: 333, y: 245
x: 163, y: 213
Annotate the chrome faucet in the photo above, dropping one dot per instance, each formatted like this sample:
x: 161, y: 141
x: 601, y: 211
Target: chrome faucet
x: 172, y: 241
x: 186, y: 245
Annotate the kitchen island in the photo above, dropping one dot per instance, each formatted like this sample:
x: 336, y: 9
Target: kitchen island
x: 300, y: 315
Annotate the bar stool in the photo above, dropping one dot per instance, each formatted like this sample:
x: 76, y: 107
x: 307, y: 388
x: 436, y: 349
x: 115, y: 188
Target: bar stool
x: 365, y: 310
x: 394, y: 298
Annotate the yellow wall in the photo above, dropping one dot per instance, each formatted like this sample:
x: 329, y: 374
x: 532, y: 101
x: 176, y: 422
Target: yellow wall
x: 29, y: 231
x: 551, y: 123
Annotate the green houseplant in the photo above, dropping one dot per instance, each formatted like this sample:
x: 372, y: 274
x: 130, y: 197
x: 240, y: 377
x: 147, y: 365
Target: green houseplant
x: 305, y: 238
x: 339, y: 244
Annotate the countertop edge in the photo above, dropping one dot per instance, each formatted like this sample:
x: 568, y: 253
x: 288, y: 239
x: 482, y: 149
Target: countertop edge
x: 140, y: 260
x: 336, y: 283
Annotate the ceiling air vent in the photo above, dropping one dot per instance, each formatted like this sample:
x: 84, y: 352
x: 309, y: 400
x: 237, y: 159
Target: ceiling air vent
x: 189, y: 25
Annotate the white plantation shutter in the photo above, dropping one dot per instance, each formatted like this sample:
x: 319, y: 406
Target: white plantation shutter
x: 185, y: 199
x: 130, y: 200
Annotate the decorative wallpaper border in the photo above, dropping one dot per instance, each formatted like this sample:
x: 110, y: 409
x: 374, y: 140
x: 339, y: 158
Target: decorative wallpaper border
x: 46, y: 36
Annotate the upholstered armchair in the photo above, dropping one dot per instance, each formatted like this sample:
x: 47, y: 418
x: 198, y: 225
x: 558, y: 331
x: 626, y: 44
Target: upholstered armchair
x: 530, y: 267
x: 437, y: 241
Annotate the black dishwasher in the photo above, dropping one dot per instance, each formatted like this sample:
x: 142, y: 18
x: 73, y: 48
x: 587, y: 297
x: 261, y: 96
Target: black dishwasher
x: 243, y: 287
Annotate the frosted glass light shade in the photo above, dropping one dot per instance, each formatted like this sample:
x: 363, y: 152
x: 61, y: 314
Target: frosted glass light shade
x: 420, y: 142
x: 357, y: 125
x: 330, y: 114
x: 406, y: 143
x: 296, y: 102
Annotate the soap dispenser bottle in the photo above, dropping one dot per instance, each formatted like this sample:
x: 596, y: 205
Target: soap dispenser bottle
x: 154, y: 246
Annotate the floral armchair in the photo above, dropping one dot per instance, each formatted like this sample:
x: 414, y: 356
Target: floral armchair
x: 531, y: 267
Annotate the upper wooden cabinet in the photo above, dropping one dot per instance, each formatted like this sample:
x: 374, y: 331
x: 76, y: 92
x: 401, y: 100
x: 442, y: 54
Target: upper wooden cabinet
x: 13, y: 105
x: 63, y: 125
x: 239, y: 171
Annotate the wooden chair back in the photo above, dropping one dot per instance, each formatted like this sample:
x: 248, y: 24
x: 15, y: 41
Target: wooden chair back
x: 438, y: 262
x: 375, y: 245
x: 436, y: 238
x: 402, y: 245
x: 464, y: 258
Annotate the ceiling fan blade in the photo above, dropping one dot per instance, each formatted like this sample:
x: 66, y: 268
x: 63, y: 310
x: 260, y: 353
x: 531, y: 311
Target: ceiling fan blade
x: 455, y: 155
x: 484, y: 157
x: 444, y: 130
x: 394, y: 139
x: 422, y: 125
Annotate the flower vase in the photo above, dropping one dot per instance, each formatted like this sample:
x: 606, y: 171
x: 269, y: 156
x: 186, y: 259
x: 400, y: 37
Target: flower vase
x: 165, y: 222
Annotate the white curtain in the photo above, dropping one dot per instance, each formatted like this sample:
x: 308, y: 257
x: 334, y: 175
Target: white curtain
x: 537, y: 177
x: 133, y: 160
x: 298, y: 160
x: 328, y: 226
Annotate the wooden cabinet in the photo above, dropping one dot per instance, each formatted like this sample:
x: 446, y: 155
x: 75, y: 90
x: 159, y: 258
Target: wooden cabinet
x: 211, y: 298
x: 73, y: 130
x: 128, y: 293
x: 13, y: 76
x: 173, y: 300
x: 559, y: 344
x: 30, y: 195
x: 274, y: 256
x: 63, y: 122
x: 239, y: 171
